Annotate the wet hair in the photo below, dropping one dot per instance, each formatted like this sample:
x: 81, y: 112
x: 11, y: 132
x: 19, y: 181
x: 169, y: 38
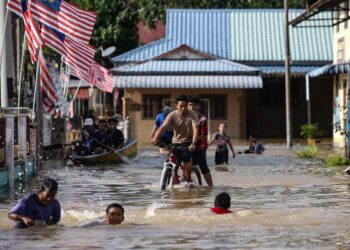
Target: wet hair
x: 114, y: 205
x: 193, y: 99
x: 223, y: 200
x: 49, y: 185
x: 181, y: 98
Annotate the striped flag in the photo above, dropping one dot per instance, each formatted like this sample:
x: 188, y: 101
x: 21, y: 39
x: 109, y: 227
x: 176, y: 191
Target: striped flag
x: 75, y: 54
x: 47, y: 88
x: 31, y: 30
x: 100, y: 78
x: 62, y: 16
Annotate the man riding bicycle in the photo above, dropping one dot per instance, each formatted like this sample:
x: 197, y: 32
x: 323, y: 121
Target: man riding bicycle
x: 184, y: 123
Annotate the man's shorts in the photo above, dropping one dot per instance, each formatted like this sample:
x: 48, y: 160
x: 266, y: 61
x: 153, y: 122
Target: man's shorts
x: 181, y: 152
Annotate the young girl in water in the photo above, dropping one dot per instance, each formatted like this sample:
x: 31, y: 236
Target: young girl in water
x: 222, y: 140
x: 114, y: 216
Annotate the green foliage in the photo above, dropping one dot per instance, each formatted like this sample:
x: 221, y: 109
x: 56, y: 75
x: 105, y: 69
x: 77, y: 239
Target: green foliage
x: 311, y: 131
x: 336, y: 161
x: 309, y: 152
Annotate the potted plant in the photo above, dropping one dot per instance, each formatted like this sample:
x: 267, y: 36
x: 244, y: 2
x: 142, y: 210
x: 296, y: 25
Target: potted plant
x: 311, y: 132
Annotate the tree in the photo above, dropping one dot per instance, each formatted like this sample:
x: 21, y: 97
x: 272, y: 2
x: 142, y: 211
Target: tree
x: 115, y: 23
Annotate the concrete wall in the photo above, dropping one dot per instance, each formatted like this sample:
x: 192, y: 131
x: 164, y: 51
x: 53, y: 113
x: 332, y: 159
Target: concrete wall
x: 235, y: 118
x: 341, y: 53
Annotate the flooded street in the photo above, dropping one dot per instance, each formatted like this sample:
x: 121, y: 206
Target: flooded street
x: 281, y: 202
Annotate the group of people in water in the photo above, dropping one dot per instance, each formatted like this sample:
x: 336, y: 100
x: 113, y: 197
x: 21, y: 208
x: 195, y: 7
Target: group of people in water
x: 42, y: 209
x: 185, y: 127
x: 186, y: 131
x: 95, y: 139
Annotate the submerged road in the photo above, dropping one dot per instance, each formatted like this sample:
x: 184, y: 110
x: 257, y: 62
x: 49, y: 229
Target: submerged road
x: 281, y: 202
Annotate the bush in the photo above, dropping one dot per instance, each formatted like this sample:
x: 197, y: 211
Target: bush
x: 311, y: 131
x: 336, y: 161
x: 308, y: 152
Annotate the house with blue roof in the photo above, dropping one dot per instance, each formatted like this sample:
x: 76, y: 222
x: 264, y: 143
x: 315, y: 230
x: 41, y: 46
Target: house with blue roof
x: 234, y: 60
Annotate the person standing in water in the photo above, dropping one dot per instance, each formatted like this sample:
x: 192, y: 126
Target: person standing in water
x: 200, y: 154
x: 38, y: 208
x: 222, y: 139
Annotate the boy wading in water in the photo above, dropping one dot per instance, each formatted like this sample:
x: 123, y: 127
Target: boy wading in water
x: 38, y: 208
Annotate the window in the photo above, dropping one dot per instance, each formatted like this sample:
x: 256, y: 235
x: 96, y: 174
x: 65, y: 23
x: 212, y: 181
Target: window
x: 152, y: 105
x: 218, y: 105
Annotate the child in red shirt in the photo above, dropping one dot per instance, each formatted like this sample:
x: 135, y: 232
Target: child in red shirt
x: 222, y: 203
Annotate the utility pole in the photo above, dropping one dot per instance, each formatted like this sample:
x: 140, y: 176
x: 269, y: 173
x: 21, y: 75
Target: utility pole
x: 289, y: 130
x: 3, y: 48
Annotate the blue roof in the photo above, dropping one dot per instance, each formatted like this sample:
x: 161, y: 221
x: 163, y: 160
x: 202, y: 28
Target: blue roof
x: 188, y: 81
x: 247, y: 35
x: 185, y: 67
x: 331, y: 69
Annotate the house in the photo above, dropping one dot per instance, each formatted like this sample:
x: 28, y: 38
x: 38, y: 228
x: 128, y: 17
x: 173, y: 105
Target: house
x: 234, y: 61
x: 339, y: 70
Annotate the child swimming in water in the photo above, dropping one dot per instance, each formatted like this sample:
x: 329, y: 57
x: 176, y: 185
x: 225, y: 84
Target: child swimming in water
x: 114, y: 216
x: 222, y: 203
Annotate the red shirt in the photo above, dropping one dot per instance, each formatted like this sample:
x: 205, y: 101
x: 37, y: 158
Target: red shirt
x: 219, y: 210
x: 203, y: 130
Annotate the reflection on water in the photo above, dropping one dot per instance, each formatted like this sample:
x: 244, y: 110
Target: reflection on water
x: 280, y: 203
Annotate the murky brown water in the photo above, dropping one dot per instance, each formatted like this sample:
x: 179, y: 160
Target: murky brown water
x: 281, y: 203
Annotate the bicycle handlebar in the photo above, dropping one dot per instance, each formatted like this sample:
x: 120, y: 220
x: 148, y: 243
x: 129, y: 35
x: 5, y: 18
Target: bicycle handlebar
x: 172, y: 146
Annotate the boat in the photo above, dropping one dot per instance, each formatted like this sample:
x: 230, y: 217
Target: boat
x: 128, y: 151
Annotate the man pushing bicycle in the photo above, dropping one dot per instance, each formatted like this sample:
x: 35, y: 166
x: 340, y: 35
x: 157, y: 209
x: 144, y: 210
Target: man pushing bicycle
x: 184, y: 123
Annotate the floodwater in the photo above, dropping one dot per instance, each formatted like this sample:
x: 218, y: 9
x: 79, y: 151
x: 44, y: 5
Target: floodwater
x: 281, y: 202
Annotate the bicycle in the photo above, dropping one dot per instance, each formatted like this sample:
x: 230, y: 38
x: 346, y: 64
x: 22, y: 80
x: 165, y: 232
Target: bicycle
x: 170, y: 174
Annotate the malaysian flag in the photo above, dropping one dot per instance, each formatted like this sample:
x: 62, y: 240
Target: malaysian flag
x: 100, y: 78
x: 47, y: 88
x: 62, y: 16
x: 76, y: 55
x: 31, y: 30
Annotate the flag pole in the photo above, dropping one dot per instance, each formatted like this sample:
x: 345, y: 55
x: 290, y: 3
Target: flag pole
x: 3, y: 37
x: 21, y: 70
x: 39, y: 115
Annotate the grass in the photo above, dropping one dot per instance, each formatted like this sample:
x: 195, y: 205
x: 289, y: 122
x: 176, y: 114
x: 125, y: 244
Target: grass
x: 336, y: 161
x: 309, y: 152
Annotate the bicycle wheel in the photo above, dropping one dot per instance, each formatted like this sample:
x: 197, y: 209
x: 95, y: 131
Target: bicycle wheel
x: 196, y: 176
x: 165, y: 178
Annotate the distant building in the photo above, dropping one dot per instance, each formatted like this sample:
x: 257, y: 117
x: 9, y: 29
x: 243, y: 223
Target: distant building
x: 153, y: 74
x: 339, y: 70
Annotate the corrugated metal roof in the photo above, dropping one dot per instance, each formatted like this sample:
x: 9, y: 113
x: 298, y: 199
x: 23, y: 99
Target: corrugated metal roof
x: 186, y: 66
x: 295, y: 70
x: 188, y: 81
x: 331, y: 69
x: 238, y: 35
